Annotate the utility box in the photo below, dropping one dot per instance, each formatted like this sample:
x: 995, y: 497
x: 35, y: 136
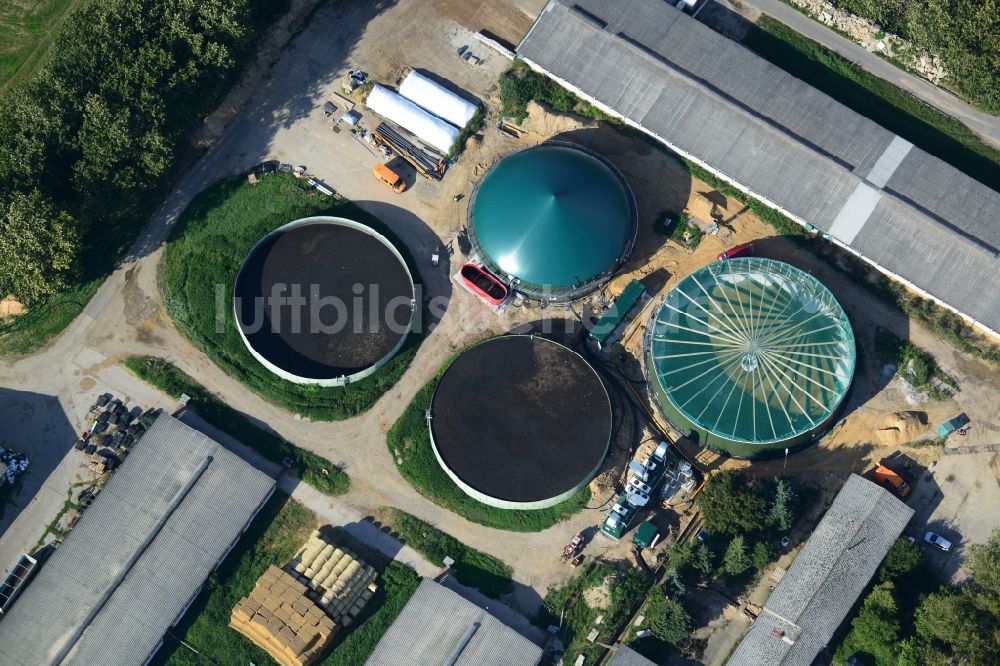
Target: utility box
x: 646, y: 535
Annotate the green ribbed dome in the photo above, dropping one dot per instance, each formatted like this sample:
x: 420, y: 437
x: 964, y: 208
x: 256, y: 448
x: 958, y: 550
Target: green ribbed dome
x: 553, y: 215
x: 751, y: 354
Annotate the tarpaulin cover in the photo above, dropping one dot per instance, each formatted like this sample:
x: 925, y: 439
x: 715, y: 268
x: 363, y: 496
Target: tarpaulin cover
x: 437, y: 99
x: 409, y: 116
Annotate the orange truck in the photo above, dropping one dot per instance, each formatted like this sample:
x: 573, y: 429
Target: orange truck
x: 890, y: 480
x: 389, y: 177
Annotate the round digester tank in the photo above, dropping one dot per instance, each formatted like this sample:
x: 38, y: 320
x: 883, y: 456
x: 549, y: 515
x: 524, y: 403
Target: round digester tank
x: 557, y: 220
x: 324, y: 301
x: 520, y: 422
x: 750, y: 356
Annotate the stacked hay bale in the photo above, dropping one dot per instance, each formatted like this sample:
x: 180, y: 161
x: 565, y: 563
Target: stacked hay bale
x: 278, y: 617
x: 338, y: 581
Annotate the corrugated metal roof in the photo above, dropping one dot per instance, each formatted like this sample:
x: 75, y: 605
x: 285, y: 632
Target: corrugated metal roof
x: 713, y: 100
x: 626, y: 656
x: 827, y: 576
x: 138, y: 555
x: 439, y: 627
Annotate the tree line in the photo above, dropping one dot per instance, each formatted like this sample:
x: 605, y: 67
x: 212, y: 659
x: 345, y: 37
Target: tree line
x: 89, y: 140
x: 905, y: 621
x: 964, y: 33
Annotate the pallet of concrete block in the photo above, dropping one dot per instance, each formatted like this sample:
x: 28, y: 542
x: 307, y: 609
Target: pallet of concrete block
x: 280, y: 619
x: 342, y: 584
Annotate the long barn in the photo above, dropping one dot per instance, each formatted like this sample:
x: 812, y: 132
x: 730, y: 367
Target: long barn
x: 910, y: 214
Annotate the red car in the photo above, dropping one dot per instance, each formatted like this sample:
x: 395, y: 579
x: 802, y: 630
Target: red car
x: 738, y: 251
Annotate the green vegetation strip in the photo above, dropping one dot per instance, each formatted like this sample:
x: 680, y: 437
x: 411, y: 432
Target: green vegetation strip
x: 311, y: 468
x: 409, y: 440
x: 916, y: 365
x: 964, y: 33
x: 890, y: 106
x: 274, y: 536
x: 203, y: 256
x: 472, y: 567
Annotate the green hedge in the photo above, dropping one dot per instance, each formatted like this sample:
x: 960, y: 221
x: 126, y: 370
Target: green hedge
x: 474, y: 568
x: 311, y: 468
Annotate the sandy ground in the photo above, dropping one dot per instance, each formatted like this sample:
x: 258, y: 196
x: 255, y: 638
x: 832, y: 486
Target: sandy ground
x: 283, y: 119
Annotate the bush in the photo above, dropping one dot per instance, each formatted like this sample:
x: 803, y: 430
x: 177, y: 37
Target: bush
x: 782, y: 514
x: 875, y: 630
x: 902, y: 559
x: 732, y: 503
x: 762, y: 555
x: 671, y: 623
x: 736, y: 560
x: 520, y: 85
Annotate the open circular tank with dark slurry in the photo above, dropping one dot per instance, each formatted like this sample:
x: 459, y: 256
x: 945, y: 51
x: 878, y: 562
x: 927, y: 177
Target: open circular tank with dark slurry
x: 520, y: 422
x: 324, y: 300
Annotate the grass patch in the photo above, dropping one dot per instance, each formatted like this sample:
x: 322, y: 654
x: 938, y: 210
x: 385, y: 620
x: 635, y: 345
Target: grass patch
x: 27, y: 31
x: 26, y: 333
x: 315, y: 470
x: 473, y: 568
x: 410, y: 440
x: 914, y: 364
x: 53, y: 527
x: 281, y: 527
x: 674, y: 225
x: 471, y: 129
x: 520, y: 85
x: 626, y: 590
x: 890, y: 106
x: 202, y: 258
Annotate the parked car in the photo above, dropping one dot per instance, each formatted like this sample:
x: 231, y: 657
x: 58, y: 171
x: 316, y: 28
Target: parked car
x: 738, y: 251
x: 938, y: 541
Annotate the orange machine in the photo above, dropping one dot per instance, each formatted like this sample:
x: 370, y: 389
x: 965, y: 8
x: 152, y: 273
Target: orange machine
x: 890, y: 480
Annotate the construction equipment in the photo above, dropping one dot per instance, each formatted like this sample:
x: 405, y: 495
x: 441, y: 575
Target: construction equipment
x: 426, y: 164
x: 890, y: 480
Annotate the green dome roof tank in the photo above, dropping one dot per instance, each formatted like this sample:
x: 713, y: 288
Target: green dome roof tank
x: 554, y: 216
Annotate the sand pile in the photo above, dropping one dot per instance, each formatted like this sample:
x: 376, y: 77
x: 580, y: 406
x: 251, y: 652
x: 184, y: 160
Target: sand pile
x: 901, y: 428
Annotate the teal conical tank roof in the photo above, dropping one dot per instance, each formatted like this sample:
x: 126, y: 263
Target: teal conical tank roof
x: 553, y: 216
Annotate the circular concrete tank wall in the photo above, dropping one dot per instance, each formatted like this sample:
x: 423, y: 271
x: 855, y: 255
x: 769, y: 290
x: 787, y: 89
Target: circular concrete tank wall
x: 520, y: 422
x: 324, y: 300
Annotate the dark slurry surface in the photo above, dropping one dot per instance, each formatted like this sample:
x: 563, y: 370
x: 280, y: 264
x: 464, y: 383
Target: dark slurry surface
x: 326, y: 261
x: 521, y: 419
